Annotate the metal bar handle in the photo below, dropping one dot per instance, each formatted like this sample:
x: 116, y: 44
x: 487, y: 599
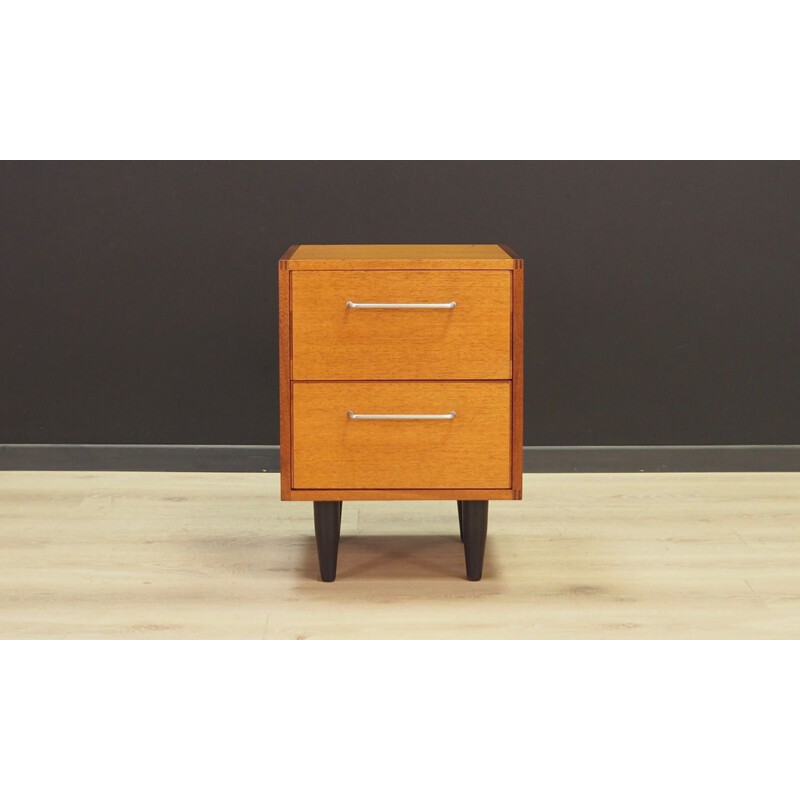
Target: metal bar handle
x: 451, y: 415
x: 351, y: 304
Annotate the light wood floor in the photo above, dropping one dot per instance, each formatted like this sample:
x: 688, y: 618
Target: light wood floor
x: 198, y: 555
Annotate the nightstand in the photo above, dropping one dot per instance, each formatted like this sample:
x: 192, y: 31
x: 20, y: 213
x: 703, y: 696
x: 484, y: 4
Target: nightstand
x: 401, y: 379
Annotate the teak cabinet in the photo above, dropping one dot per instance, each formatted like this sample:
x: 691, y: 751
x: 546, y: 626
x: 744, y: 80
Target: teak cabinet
x: 401, y: 379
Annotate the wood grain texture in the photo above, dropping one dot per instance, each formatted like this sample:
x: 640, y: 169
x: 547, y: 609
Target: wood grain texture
x: 284, y: 259
x: 512, y: 254
x: 333, y: 342
x: 332, y: 451
x: 285, y: 386
x: 398, y: 256
x: 400, y: 494
x: 517, y: 407
x: 479, y: 339
x: 114, y: 555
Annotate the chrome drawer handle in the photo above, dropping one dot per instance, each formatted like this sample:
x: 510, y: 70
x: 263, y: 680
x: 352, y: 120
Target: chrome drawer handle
x: 451, y: 415
x: 351, y: 304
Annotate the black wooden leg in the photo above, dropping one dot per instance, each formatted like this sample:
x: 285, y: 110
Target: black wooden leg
x: 460, y: 525
x: 474, y: 523
x: 327, y: 525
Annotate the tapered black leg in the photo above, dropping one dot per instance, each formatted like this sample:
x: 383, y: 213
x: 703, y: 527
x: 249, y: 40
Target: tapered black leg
x: 327, y: 525
x: 460, y: 526
x: 474, y: 523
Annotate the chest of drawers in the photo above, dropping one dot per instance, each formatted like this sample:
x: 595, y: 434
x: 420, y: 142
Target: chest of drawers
x: 401, y: 379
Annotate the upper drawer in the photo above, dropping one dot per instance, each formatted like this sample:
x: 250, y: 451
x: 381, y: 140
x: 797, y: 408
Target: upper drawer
x: 334, y: 341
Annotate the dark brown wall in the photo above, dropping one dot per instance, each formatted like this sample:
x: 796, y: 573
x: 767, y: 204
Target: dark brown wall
x: 138, y: 300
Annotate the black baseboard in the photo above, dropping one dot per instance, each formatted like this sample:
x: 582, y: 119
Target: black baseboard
x: 688, y: 458
x: 266, y: 458
x: 140, y: 457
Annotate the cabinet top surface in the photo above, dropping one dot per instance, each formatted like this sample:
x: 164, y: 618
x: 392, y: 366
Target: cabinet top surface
x: 331, y: 256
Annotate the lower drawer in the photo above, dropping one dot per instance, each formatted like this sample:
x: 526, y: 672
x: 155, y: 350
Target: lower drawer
x: 337, y: 444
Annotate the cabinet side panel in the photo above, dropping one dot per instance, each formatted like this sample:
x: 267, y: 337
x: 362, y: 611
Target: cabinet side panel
x: 285, y: 358
x: 517, y: 328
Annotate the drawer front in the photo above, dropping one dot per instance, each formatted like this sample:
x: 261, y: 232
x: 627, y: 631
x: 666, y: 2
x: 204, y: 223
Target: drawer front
x: 334, y: 341
x: 333, y: 450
